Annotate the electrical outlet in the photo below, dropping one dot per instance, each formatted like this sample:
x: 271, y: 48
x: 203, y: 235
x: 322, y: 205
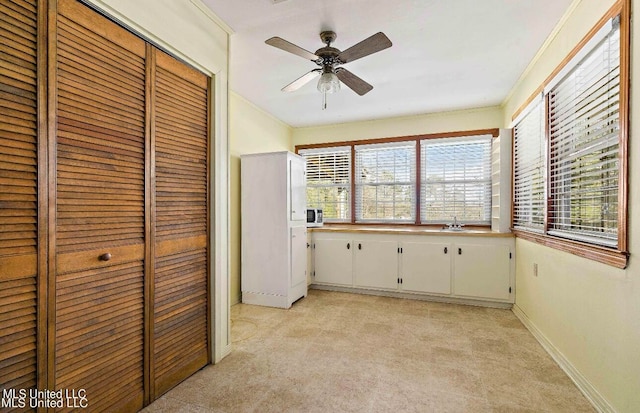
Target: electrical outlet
x: 535, y: 269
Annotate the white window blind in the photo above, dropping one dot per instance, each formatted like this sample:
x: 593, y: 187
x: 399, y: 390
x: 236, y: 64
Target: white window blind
x: 385, y: 182
x: 328, y: 181
x: 456, y: 180
x: 584, y: 147
x: 528, y: 173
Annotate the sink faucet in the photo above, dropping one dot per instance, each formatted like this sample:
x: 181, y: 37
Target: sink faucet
x: 455, y: 226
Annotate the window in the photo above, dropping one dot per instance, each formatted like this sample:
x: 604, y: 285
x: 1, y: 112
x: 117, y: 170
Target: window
x: 577, y: 201
x: 328, y: 182
x: 385, y: 182
x: 424, y: 179
x: 456, y: 180
x: 529, y: 155
x: 584, y: 133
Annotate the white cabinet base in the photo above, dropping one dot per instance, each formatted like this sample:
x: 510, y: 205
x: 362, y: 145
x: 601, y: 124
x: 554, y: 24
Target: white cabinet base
x: 412, y: 296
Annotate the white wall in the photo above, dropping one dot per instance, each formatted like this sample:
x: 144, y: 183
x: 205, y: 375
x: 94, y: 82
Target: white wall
x: 191, y: 32
x: 252, y: 131
x: 588, y: 312
x: 483, y: 118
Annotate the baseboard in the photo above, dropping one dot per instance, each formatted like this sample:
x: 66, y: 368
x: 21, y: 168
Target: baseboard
x: 589, y: 391
x: 224, y: 352
x: 236, y: 300
x: 420, y: 297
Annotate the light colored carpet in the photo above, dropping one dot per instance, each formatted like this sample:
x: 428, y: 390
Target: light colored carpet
x: 339, y: 352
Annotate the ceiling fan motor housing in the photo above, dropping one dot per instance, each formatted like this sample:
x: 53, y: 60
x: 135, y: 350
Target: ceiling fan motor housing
x: 328, y: 55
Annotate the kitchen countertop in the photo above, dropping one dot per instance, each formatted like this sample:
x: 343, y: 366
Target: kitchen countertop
x: 409, y: 230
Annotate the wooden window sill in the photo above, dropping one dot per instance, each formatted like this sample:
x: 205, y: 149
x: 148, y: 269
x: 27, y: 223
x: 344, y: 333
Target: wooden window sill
x: 615, y: 258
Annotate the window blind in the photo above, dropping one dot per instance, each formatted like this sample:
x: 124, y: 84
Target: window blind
x: 584, y: 145
x: 456, y: 180
x: 528, y: 173
x: 385, y: 182
x: 328, y: 181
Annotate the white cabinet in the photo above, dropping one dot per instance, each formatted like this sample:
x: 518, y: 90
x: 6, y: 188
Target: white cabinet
x: 333, y: 261
x: 274, y: 233
x: 426, y: 267
x: 376, y: 264
x: 462, y: 267
x: 298, y: 255
x: 309, y: 254
x: 482, y: 270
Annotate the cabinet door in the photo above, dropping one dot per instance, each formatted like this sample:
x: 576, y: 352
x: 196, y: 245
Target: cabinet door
x: 298, y: 255
x: 481, y: 271
x: 376, y: 264
x: 333, y: 261
x: 426, y: 267
x: 297, y: 190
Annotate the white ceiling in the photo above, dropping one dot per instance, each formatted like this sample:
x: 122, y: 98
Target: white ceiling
x: 446, y: 55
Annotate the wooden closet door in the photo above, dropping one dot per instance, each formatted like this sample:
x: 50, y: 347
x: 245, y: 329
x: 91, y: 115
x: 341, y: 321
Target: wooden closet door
x: 180, y: 137
x: 18, y: 194
x: 100, y: 210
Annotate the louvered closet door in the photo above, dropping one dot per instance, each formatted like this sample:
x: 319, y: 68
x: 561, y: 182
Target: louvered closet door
x: 100, y: 207
x: 18, y: 194
x: 181, y: 171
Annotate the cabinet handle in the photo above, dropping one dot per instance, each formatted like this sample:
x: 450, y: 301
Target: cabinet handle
x: 348, y: 245
x: 446, y: 250
x: 359, y: 246
x: 105, y: 257
x: 459, y: 251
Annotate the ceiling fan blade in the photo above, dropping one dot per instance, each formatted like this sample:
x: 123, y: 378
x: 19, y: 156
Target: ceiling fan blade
x: 354, y: 82
x: 302, y: 80
x: 366, y: 47
x: 280, y: 43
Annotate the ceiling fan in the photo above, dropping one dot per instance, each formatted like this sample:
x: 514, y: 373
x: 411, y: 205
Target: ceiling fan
x: 330, y: 61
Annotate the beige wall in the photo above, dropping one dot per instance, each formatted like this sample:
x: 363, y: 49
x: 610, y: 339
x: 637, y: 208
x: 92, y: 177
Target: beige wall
x: 483, y: 118
x: 251, y: 130
x: 588, y: 312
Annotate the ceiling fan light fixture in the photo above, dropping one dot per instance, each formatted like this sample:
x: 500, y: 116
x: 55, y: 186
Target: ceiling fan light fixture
x: 328, y: 83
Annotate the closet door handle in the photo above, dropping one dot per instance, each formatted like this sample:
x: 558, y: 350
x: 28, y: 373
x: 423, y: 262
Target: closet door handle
x: 105, y: 257
x: 446, y: 250
x: 348, y: 245
x: 459, y: 251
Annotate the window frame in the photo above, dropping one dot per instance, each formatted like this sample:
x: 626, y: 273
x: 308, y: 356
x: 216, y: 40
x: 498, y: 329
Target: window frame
x: 459, y: 146
x: 617, y: 256
x: 360, y: 184
x: 494, y: 132
x: 333, y: 151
